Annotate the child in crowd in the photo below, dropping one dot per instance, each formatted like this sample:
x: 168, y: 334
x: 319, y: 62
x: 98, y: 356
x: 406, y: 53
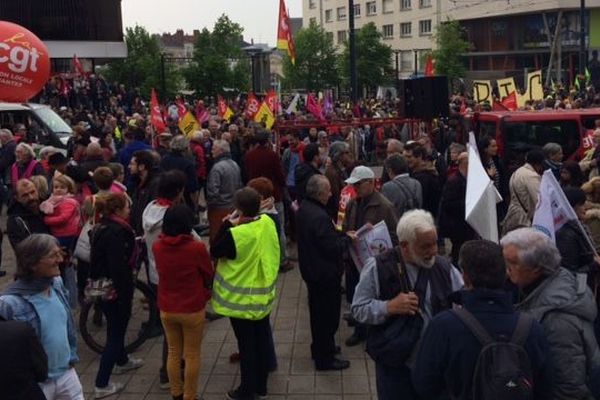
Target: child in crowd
x: 62, y: 214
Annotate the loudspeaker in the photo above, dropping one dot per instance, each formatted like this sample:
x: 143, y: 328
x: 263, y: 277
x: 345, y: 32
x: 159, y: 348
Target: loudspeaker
x: 425, y: 98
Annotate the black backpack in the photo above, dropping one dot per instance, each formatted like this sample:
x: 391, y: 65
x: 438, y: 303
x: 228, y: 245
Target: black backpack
x: 503, y: 369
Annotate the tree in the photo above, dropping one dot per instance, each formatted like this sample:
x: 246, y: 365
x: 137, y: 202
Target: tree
x: 450, y: 47
x: 142, y: 67
x: 373, y: 59
x: 218, y: 61
x: 316, y: 59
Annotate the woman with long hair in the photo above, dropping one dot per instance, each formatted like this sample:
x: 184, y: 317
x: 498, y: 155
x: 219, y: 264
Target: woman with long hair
x: 113, y: 253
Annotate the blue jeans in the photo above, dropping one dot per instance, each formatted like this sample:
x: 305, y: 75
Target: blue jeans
x: 117, y: 315
x: 394, y: 383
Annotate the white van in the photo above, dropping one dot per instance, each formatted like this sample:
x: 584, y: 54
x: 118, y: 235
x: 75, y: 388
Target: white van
x: 53, y: 131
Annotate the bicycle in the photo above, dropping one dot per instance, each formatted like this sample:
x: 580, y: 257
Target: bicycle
x: 144, y: 314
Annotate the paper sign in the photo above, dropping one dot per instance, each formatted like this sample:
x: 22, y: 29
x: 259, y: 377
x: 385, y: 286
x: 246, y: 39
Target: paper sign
x: 482, y: 91
x: 370, y: 243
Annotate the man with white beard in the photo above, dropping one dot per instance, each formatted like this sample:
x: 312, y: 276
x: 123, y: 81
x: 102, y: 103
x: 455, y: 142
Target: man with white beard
x: 408, y: 280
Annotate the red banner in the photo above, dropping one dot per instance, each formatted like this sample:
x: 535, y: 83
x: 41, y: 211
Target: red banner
x: 284, y: 33
x: 78, y: 66
x: 252, y: 105
x: 510, y: 101
x: 24, y: 63
x: 156, y: 116
x: 429, y: 71
x: 314, y: 107
x: 181, y: 108
x: 272, y: 102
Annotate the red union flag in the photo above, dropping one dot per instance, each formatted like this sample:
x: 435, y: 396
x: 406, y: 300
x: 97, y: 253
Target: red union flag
x: 510, y: 101
x: 156, y: 116
x: 78, y: 66
x: 284, y: 33
x: 429, y: 69
x: 252, y: 105
x: 271, y: 101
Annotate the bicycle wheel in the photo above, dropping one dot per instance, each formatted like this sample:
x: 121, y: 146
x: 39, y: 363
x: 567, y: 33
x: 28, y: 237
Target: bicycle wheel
x: 144, y: 316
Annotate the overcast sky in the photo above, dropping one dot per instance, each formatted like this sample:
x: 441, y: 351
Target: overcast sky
x: 257, y: 17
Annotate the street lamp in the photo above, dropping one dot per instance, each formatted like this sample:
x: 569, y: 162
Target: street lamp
x: 397, y: 52
x: 253, y: 51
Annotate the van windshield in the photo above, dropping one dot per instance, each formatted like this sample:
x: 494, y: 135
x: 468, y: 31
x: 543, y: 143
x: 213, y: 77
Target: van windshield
x: 52, y: 120
x: 522, y: 136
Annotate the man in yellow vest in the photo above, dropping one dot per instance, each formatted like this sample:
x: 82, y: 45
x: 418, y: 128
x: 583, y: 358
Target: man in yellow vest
x: 247, y: 248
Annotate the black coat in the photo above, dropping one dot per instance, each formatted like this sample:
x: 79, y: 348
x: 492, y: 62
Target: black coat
x: 141, y: 195
x: 23, y: 362
x: 430, y: 183
x: 21, y: 223
x: 452, y: 210
x: 112, y: 245
x: 575, y: 252
x: 304, y: 171
x: 320, y: 246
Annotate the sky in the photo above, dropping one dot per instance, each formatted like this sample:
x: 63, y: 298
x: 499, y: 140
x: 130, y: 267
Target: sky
x: 257, y: 17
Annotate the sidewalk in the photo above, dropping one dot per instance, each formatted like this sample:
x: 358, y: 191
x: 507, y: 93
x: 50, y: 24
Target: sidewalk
x: 295, y: 379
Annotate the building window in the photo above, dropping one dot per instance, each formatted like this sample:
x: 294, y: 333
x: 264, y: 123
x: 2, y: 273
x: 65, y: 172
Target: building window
x: 388, y: 6
x: 406, y: 60
x: 424, y: 3
x: 341, y: 13
x: 330, y: 36
x: 312, y: 4
x: 328, y: 15
x: 405, y: 4
x: 312, y: 20
x: 371, y: 8
x: 357, y: 10
x: 425, y: 27
x: 341, y: 37
x: 388, y: 31
x: 406, y: 29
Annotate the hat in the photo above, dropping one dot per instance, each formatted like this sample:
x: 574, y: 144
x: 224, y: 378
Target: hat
x: 360, y: 173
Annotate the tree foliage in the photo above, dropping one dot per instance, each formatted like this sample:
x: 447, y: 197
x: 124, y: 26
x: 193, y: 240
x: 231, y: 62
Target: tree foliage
x: 373, y: 59
x: 218, y: 61
x: 316, y: 59
x: 450, y: 47
x: 142, y: 67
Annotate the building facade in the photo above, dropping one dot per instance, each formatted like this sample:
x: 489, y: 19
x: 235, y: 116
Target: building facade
x: 506, y: 36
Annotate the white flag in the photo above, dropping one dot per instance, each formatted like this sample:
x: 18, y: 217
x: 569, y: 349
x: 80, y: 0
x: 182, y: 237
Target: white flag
x: 553, y: 209
x: 481, y: 198
x: 293, y: 107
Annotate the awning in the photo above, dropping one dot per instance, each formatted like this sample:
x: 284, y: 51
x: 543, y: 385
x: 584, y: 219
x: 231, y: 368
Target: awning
x: 86, y: 49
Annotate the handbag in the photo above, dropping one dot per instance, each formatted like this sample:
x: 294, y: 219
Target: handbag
x: 83, y: 246
x: 99, y: 289
x: 392, y: 343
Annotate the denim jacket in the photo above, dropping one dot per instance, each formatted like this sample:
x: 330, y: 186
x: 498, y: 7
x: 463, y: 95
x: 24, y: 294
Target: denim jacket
x: 18, y: 307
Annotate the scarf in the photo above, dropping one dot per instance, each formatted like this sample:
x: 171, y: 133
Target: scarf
x: 28, y: 287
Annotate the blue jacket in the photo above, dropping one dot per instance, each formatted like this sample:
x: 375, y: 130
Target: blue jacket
x: 127, y: 152
x: 448, y: 350
x: 18, y: 307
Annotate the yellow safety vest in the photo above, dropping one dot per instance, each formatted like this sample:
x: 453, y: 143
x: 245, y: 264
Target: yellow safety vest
x: 245, y: 286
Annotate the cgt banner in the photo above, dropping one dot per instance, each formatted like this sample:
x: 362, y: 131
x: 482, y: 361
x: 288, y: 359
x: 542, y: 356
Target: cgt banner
x: 482, y: 90
x: 24, y: 63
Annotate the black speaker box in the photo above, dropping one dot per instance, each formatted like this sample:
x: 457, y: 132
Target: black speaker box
x: 425, y: 98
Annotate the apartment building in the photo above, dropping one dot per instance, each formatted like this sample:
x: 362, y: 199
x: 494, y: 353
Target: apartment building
x: 506, y: 35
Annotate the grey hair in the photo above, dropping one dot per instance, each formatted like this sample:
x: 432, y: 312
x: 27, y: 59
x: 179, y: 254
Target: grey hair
x: 395, y: 144
x: 179, y: 143
x: 197, y: 136
x: 223, y: 145
x: 457, y: 147
x: 30, y: 251
x: 47, y: 151
x: 413, y: 221
x: 551, y: 149
x: 337, y: 149
x: 315, y: 186
x: 7, y: 133
x: 27, y: 148
x: 535, y: 249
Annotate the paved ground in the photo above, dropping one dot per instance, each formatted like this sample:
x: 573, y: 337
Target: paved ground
x: 295, y: 379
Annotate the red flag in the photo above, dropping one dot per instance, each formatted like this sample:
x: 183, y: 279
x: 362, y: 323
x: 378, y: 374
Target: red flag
x: 284, y: 33
x: 463, y: 107
x: 202, y: 115
x: 271, y: 100
x: 155, y: 114
x: 498, y: 106
x: 510, y: 101
x: 181, y: 108
x: 314, y: 107
x: 64, y: 87
x: 78, y: 66
x: 252, y: 106
x: 429, y: 66
x: 223, y: 109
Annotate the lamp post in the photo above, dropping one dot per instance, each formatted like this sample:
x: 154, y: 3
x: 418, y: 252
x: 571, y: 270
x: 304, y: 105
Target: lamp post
x: 582, y: 52
x: 352, y: 51
x: 396, y: 53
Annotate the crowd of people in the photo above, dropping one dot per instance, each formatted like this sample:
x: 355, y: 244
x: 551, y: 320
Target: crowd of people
x: 84, y: 218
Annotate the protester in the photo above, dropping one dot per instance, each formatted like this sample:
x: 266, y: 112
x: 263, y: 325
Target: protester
x: 485, y: 300
x: 144, y: 173
x: 223, y: 180
x: 176, y: 160
x: 423, y: 171
x: 393, y: 147
x: 185, y: 273
x: 25, y: 165
x: 247, y: 249
x: 62, y: 212
x: 320, y: 253
x: 563, y: 304
x: 554, y: 158
x: 39, y: 298
x: 310, y: 165
x: 112, y: 257
x: 401, y: 190
x: 570, y: 175
x: 337, y: 172
x: 381, y: 294
x: 23, y: 216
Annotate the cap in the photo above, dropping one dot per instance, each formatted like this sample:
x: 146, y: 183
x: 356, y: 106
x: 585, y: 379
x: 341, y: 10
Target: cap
x: 360, y: 173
